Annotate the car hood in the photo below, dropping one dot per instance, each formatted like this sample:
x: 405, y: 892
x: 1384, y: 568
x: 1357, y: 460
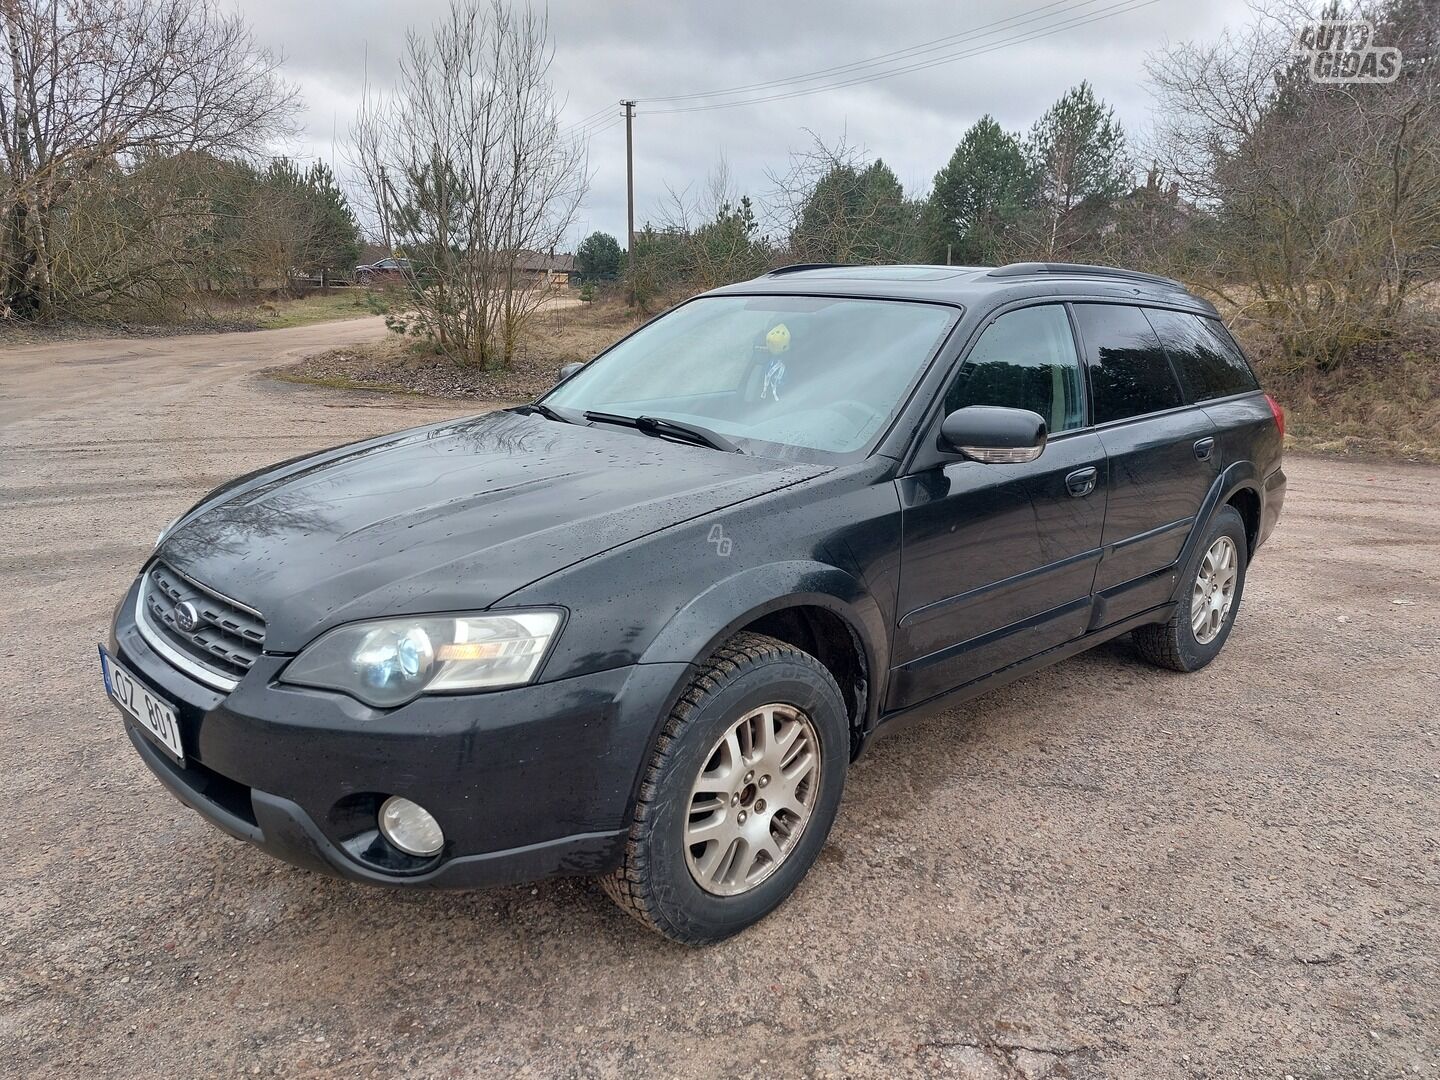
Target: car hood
x: 452, y: 517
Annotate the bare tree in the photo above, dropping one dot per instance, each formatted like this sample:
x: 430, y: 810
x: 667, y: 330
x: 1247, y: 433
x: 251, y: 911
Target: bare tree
x: 466, y: 168
x: 1318, y: 206
x: 704, y: 240
x: 91, y: 91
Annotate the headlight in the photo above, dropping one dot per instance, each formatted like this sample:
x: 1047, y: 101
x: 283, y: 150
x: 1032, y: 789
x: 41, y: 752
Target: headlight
x: 392, y: 661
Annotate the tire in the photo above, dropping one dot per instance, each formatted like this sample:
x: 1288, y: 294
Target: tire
x: 655, y: 882
x: 1175, y: 644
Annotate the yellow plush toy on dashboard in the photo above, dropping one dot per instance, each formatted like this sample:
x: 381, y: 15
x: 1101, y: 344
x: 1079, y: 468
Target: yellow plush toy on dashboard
x: 778, y: 339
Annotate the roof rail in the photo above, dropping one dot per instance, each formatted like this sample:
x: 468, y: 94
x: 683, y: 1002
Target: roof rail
x: 795, y: 268
x: 1028, y: 269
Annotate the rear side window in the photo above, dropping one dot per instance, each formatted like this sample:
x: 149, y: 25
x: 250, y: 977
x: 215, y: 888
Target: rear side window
x: 1207, y: 362
x: 1129, y: 373
x: 1025, y: 360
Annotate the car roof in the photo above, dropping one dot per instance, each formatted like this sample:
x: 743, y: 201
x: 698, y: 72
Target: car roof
x: 973, y: 286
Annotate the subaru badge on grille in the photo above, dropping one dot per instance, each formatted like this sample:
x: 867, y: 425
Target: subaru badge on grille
x: 187, y: 617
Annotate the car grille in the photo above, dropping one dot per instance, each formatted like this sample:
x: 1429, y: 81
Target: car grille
x: 228, y: 637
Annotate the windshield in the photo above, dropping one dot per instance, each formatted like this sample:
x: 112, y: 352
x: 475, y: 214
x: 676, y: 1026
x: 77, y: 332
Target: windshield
x: 771, y: 373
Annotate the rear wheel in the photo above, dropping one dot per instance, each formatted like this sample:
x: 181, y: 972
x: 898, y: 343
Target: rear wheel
x: 1197, y: 632
x: 740, y: 794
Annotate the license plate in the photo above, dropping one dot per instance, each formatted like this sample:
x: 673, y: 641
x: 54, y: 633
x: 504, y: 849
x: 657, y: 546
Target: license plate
x: 152, y: 714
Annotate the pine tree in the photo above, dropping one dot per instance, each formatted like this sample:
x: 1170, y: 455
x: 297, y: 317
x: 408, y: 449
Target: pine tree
x: 979, y: 194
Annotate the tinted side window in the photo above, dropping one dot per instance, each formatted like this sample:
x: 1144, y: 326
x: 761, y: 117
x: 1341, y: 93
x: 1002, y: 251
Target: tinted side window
x: 1024, y: 360
x: 1129, y: 374
x: 1207, y: 368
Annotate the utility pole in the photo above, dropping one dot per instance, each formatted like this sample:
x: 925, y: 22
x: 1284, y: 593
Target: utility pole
x: 385, y: 211
x: 630, y: 191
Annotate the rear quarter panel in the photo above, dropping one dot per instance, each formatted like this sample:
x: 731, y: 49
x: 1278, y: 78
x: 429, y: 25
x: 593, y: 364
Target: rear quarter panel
x: 1246, y: 431
x: 1246, y: 434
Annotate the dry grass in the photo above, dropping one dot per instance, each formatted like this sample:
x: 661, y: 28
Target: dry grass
x: 275, y: 310
x: 1382, y: 399
x: 1388, y: 408
x: 557, y: 336
x: 318, y: 307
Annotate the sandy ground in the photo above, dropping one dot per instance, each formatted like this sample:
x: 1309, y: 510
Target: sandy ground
x: 1102, y: 871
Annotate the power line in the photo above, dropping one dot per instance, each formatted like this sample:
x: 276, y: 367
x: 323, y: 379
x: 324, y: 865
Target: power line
x: 596, y: 123
x: 1105, y: 13
x: 598, y: 116
x: 598, y: 129
x: 616, y: 122
x: 912, y: 50
x: 589, y: 131
x: 598, y: 112
x: 581, y: 131
x: 589, y: 126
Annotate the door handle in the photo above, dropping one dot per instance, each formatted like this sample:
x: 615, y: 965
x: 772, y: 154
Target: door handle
x: 1204, y: 448
x: 1081, y: 482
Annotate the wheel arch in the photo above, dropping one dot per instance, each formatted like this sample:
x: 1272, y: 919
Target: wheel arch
x: 1238, y: 486
x: 820, y: 609
x: 1246, y: 499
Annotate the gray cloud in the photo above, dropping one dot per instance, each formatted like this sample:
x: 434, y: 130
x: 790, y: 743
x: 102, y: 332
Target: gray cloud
x: 650, y: 50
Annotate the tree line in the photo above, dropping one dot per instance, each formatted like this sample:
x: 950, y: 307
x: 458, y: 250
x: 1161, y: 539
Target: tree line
x: 1311, y: 211
x: 135, y: 136
x: 1049, y: 194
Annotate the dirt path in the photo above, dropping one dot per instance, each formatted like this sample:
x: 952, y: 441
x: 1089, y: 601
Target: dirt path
x: 37, y: 378
x: 1101, y: 871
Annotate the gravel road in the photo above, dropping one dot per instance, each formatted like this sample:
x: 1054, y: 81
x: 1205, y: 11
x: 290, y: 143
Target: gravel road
x: 1104, y: 870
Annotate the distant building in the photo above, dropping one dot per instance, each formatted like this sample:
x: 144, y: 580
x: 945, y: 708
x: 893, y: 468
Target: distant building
x: 536, y: 268
x: 552, y: 271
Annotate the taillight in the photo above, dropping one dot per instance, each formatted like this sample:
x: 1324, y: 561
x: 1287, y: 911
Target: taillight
x: 1278, y: 412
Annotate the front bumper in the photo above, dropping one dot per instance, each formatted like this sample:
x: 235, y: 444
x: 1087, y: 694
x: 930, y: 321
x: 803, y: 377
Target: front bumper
x: 527, y: 783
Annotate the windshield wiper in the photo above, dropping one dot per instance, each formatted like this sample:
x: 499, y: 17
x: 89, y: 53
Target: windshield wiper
x: 549, y: 412
x: 660, y: 427
x: 702, y: 436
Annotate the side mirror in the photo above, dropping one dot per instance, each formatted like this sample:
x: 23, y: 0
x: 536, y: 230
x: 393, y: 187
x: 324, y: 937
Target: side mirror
x: 566, y: 370
x: 993, y: 434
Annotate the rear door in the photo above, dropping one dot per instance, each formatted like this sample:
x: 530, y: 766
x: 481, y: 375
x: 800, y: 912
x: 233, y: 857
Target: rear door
x: 1215, y: 376
x: 997, y: 561
x: 1161, y: 458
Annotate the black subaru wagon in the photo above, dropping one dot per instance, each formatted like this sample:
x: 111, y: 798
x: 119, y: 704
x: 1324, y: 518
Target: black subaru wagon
x: 640, y: 628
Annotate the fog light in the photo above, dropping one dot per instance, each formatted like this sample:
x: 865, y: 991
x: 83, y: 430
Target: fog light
x: 410, y: 827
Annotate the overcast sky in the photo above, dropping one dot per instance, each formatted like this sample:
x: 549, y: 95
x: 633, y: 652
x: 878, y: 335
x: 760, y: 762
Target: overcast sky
x: 625, y: 48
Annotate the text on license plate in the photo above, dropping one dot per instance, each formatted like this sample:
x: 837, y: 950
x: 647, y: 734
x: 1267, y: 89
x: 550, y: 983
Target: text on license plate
x: 152, y: 714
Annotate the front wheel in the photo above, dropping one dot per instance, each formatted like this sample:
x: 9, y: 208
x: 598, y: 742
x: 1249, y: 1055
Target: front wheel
x: 740, y: 794
x: 1196, y: 633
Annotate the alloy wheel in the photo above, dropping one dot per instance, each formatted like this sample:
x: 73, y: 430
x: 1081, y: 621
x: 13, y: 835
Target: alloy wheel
x: 752, y: 799
x: 1214, y: 589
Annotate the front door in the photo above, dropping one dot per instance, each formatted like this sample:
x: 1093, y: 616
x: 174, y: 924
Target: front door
x: 998, y: 561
